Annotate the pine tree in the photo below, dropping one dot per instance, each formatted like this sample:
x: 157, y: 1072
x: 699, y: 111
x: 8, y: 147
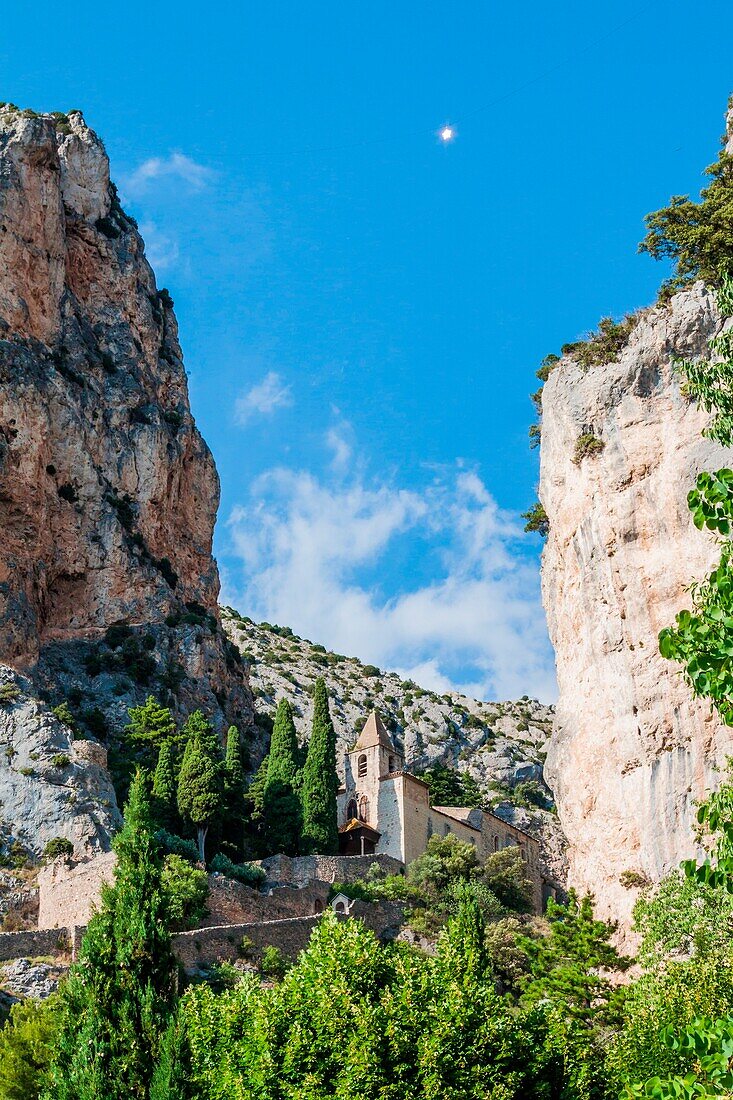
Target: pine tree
x: 280, y: 803
x: 318, y: 792
x: 200, y: 786
x: 119, y: 995
x: 567, y: 965
x: 164, y: 786
x: 150, y: 723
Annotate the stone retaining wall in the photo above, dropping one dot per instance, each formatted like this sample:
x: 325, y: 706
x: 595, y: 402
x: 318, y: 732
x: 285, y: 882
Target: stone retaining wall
x: 301, y: 870
x: 231, y: 902
x: 204, y: 947
x: 29, y: 945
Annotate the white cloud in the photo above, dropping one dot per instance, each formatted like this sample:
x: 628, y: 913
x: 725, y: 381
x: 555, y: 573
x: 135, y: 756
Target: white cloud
x: 176, y: 167
x: 161, y: 249
x: 263, y: 399
x: 473, y: 622
x: 339, y: 442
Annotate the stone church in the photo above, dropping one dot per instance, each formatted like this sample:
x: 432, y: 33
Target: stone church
x: 383, y: 809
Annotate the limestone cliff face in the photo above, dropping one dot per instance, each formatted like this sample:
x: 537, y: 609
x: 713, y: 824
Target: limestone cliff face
x: 108, y: 493
x: 631, y: 749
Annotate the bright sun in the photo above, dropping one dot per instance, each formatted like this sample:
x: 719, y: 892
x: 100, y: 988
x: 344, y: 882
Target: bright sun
x: 447, y: 133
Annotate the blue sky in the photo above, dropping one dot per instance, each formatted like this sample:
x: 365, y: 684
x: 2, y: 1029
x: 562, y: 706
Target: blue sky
x: 362, y: 309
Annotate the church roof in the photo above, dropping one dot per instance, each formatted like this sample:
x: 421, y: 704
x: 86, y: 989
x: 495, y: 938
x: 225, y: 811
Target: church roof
x: 374, y: 733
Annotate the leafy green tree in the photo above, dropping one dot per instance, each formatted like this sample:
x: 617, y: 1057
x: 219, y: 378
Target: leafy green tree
x: 320, y: 782
x: 505, y: 873
x: 450, y: 787
x: 116, y: 1002
x: 696, y: 236
x: 445, y: 860
x: 281, y: 809
x: 566, y: 965
x: 234, y: 797
x: 186, y: 889
x: 27, y: 1043
x: 164, y: 787
x: 200, y: 784
x: 150, y: 724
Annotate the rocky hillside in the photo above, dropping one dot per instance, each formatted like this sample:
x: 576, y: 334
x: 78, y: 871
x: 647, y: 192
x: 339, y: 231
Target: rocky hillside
x: 500, y: 745
x: 631, y: 750
x: 108, y: 494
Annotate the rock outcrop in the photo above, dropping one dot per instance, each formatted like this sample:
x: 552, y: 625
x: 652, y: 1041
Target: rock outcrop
x: 108, y: 493
x: 631, y: 749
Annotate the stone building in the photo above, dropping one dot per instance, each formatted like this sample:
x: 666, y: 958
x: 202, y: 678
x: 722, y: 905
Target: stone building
x: 383, y: 809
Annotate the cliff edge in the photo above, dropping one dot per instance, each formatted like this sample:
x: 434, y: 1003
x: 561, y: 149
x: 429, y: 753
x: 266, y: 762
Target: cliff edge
x: 631, y: 750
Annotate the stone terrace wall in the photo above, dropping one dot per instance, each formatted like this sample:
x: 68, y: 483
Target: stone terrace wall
x: 20, y: 945
x: 232, y: 902
x: 205, y: 947
x: 68, y: 892
x: 301, y: 870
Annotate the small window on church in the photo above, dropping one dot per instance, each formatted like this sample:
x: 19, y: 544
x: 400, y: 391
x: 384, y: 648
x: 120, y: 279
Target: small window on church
x: 496, y: 844
x: 392, y: 764
x: 364, y: 808
x: 352, y: 810
x: 361, y: 766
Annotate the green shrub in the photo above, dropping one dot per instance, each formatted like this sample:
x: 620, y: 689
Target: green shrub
x: 247, y: 873
x: 603, y: 346
x: 273, y: 963
x: 586, y: 446
x: 58, y: 846
x: 186, y: 889
x: 176, y: 845
x: 60, y: 760
x: 27, y: 1044
x: 9, y: 694
x: 63, y: 713
x: 537, y: 520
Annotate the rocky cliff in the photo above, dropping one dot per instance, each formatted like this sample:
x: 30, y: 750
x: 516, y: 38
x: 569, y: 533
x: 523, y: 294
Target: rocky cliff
x: 108, y: 494
x: 631, y: 749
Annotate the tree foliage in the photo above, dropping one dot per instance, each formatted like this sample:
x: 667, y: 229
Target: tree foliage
x: 281, y: 809
x: 696, y: 236
x: 320, y: 782
x: 567, y: 966
x: 200, y: 783
x: 27, y: 1043
x: 116, y: 1002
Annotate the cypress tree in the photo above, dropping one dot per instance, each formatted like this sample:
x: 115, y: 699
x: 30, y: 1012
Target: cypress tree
x: 164, y: 786
x: 233, y: 759
x: 233, y: 791
x: 172, y: 1079
x: 200, y: 787
x: 119, y: 995
x: 280, y: 803
x: 318, y: 792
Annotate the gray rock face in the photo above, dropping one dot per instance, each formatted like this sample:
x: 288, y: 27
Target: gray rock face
x: 50, y: 785
x: 631, y: 750
x: 24, y: 978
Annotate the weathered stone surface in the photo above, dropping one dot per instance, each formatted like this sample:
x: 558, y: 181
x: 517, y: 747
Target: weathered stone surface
x: 23, y: 978
x: 631, y: 750
x: 108, y: 493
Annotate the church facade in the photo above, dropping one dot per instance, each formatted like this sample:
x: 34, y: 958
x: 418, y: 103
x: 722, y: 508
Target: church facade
x: 383, y: 809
